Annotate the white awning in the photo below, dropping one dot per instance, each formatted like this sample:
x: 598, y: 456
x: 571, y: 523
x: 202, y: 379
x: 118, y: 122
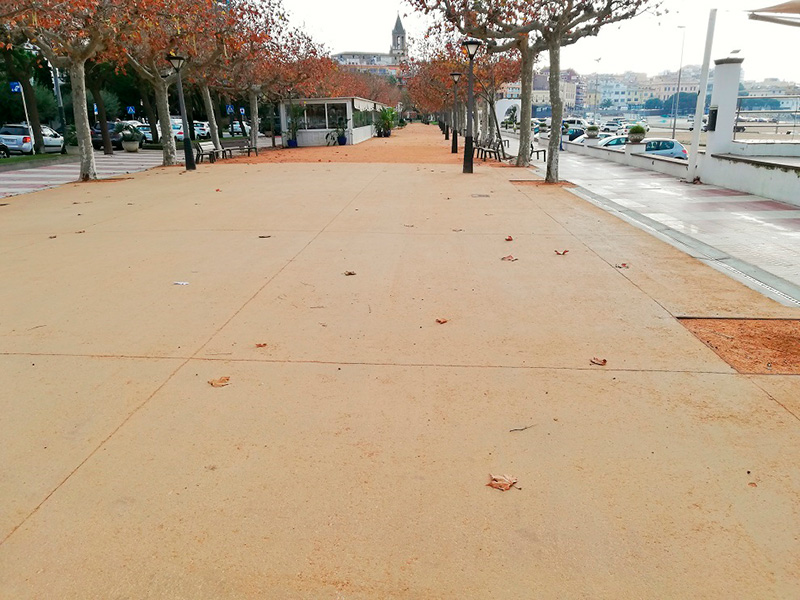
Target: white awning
x: 787, y: 13
x: 360, y: 104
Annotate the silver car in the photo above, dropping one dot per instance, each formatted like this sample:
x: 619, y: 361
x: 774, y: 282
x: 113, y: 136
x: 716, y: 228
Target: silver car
x: 17, y: 138
x: 665, y: 147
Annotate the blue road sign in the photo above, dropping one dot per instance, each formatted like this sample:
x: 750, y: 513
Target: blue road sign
x: 131, y: 110
x: 16, y: 87
x: 229, y: 109
x: 241, y: 110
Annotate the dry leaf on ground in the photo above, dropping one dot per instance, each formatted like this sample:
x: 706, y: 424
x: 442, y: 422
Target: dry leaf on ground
x: 218, y: 190
x: 599, y: 361
x: 509, y: 239
x: 261, y: 345
x: 407, y: 225
x: 509, y: 258
x: 501, y: 482
x: 441, y: 321
x: 348, y: 273
x: 263, y: 237
x: 52, y: 237
x: 622, y: 266
x: 221, y: 382
x: 457, y: 230
x: 561, y: 253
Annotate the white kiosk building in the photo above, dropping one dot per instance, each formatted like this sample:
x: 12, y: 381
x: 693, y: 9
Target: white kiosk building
x: 321, y: 116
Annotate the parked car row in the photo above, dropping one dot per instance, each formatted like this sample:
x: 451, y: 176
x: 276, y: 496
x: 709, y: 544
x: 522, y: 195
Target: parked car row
x: 657, y: 146
x: 18, y: 139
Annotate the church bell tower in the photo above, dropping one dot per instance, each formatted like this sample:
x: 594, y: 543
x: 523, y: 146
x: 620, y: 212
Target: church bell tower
x: 399, y: 49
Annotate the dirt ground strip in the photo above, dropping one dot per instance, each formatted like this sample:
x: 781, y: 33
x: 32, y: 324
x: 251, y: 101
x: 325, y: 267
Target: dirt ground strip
x: 416, y: 144
x: 766, y: 347
x: 347, y: 453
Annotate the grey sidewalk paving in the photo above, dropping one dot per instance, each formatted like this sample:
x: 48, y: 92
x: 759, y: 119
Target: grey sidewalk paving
x: 756, y: 240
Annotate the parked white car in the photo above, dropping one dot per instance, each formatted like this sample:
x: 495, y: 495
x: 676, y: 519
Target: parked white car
x: 601, y: 135
x: 236, y: 129
x: 202, y: 129
x: 18, y: 138
x: 616, y: 142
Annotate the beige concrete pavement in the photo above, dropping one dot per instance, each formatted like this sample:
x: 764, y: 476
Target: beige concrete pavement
x: 348, y: 458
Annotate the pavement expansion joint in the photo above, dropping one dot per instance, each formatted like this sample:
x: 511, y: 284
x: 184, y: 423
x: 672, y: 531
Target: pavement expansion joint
x: 452, y: 365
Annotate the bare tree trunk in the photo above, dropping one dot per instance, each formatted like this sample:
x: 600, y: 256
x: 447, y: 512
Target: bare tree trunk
x: 492, y: 118
x: 190, y: 117
x: 77, y: 72
x: 151, y: 116
x: 101, y: 110
x: 252, y: 97
x: 162, y: 105
x: 35, y: 125
x: 554, y: 49
x: 212, y: 120
x: 217, y: 114
x: 272, y: 122
x: 526, y: 88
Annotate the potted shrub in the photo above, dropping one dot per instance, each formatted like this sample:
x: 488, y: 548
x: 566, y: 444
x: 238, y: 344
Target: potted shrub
x: 132, y: 137
x: 636, y: 134
x: 339, y: 133
x: 592, y: 131
x: 296, y: 114
x: 387, y: 120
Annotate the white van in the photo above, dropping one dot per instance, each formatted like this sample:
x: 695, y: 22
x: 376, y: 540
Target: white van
x: 574, y: 123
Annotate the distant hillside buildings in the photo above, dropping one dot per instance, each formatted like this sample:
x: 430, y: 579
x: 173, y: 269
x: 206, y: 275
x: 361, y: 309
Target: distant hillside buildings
x: 378, y: 63
x: 630, y: 91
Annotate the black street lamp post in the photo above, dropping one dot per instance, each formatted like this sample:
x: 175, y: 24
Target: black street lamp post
x: 472, y: 47
x: 456, y: 76
x: 177, y: 62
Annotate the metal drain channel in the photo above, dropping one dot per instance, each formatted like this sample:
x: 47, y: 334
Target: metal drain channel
x: 752, y: 279
x: 672, y: 237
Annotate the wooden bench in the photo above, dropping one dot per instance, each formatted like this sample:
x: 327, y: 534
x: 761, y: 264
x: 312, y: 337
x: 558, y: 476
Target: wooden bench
x: 242, y: 148
x: 207, y: 149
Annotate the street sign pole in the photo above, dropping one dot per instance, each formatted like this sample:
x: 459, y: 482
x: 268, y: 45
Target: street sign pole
x: 18, y: 88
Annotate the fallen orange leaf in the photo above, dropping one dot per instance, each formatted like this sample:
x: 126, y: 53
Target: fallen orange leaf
x: 81, y: 231
x: 622, y: 266
x: 441, y: 321
x: 261, y: 345
x: 218, y: 190
x: 348, y: 273
x: 599, y: 361
x: 509, y: 239
x: 501, y: 482
x: 561, y: 253
x: 221, y: 382
x: 509, y: 258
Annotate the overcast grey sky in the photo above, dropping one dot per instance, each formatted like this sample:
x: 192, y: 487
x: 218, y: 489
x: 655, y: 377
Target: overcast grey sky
x: 646, y: 44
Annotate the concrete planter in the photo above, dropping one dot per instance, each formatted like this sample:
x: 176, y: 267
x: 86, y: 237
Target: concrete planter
x: 130, y: 145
